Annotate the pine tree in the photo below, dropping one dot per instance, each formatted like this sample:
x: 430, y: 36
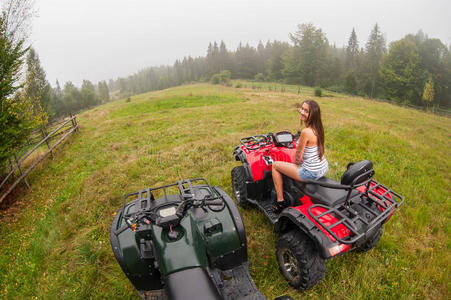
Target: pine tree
x: 103, y: 91
x: 246, y: 61
x: 224, y: 59
x: 351, y: 83
x: 352, y: 52
x: 71, y: 98
x: 310, y: 51
x: 375, y: 50
x: 275, y: 64
x: 88, y: 95
x: 36, y: 86
x: 16, y: 114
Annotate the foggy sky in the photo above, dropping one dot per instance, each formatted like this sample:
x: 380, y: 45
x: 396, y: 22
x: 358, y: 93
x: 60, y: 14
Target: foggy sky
x: 103, y: 39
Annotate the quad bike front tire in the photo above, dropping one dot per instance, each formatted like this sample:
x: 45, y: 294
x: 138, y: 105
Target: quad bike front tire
x: 238, y: 177
x: 371, y: 242
x: 299, y: 261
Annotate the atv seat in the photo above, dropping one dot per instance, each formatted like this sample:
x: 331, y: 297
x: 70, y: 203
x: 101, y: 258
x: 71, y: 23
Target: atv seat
x: 327, y: 196
x: 356, y: 174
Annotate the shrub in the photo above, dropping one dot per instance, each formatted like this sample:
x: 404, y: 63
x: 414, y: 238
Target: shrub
x: 128, y: 100
x: 318, y: 92
x: 224, y: 76
x: 259, y: 77
x: 215, y: 79
x: 238, y: 85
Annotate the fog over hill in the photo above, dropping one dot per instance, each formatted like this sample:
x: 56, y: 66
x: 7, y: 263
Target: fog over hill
x: 98, y: 40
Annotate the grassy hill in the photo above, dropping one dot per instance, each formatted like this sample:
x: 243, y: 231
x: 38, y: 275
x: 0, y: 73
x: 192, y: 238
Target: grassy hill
x: 54, y: 242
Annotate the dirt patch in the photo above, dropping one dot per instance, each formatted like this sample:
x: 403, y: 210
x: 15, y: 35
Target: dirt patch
x: 116, y: 146
x: 8, y: 207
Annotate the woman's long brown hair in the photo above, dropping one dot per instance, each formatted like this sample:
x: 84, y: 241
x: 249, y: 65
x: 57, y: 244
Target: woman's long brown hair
x: 314, y: 121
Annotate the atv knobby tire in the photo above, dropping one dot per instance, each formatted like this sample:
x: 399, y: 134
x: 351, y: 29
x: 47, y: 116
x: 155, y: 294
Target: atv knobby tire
x: 299, y: 261
x: 371, y: 242
x: 238, y: 177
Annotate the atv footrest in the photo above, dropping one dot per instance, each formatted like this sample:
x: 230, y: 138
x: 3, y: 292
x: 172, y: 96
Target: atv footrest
x: 360, y: 215
x: 238, y: 284
x: 266, y: 206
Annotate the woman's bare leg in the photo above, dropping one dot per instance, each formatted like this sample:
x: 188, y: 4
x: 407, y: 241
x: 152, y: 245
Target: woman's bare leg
x: 279, y: 168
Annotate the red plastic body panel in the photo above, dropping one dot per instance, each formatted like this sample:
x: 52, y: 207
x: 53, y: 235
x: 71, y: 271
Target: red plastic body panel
x: 340, y: 230
x: 257, y: 163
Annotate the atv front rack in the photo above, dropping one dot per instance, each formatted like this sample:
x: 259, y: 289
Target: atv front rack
x: 376, y: 195
x: 145, y: 197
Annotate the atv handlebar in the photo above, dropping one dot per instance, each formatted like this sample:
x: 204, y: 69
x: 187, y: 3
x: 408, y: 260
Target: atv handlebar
x: 256, y: 141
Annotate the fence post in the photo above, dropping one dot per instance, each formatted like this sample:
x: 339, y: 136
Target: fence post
x: 44, y: 135
x: 20, y: 169
x: 73, y: 121
x: 10, y: 165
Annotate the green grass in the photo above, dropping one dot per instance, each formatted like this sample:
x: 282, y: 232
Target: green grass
x: 54, y: 242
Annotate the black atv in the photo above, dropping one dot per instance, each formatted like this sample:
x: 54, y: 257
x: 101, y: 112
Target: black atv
x: 324, y: 218
x: 189, y: 244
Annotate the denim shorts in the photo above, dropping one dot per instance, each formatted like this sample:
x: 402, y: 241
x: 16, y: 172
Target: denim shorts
x: 309, y: 175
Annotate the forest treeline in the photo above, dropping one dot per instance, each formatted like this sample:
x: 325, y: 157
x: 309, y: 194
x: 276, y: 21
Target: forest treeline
x: 414, y: 70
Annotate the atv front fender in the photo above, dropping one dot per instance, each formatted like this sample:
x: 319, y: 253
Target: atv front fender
x: 291, y: 218
x: 241, y: 156
x: 140, y: 271
x: 239, y: 255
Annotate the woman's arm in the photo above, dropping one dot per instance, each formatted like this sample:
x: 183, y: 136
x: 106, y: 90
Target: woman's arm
x: 300, y: 147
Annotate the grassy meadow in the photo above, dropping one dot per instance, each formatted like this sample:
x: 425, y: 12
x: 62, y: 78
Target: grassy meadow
x: 54, y: 241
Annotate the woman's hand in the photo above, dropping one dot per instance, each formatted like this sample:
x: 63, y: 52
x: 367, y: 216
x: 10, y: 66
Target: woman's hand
x: 297, y: 157
x: 301, y: 146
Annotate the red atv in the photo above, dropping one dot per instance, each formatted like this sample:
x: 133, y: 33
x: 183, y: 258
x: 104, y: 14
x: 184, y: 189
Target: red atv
x: 326, y: 218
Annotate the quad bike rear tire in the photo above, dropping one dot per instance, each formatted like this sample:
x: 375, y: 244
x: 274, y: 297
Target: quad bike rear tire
x: 238, y: 177
x: 299, y: 261
x: 371, y: 242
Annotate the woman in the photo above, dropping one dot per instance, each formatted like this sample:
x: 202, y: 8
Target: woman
x: 310, y: 163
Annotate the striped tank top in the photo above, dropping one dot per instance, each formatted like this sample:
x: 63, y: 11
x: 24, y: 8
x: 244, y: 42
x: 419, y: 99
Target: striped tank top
x: 311, y: 161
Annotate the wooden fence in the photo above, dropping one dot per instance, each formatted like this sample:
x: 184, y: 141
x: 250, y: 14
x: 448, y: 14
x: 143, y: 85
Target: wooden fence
x: 62, y: 129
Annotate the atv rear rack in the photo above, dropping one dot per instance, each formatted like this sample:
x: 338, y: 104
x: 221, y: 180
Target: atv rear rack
x: 384, y: 199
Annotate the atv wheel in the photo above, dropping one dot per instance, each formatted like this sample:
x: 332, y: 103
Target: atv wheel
x: 299, y: 260
x: 238, y: 176
x: 371, y: 242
